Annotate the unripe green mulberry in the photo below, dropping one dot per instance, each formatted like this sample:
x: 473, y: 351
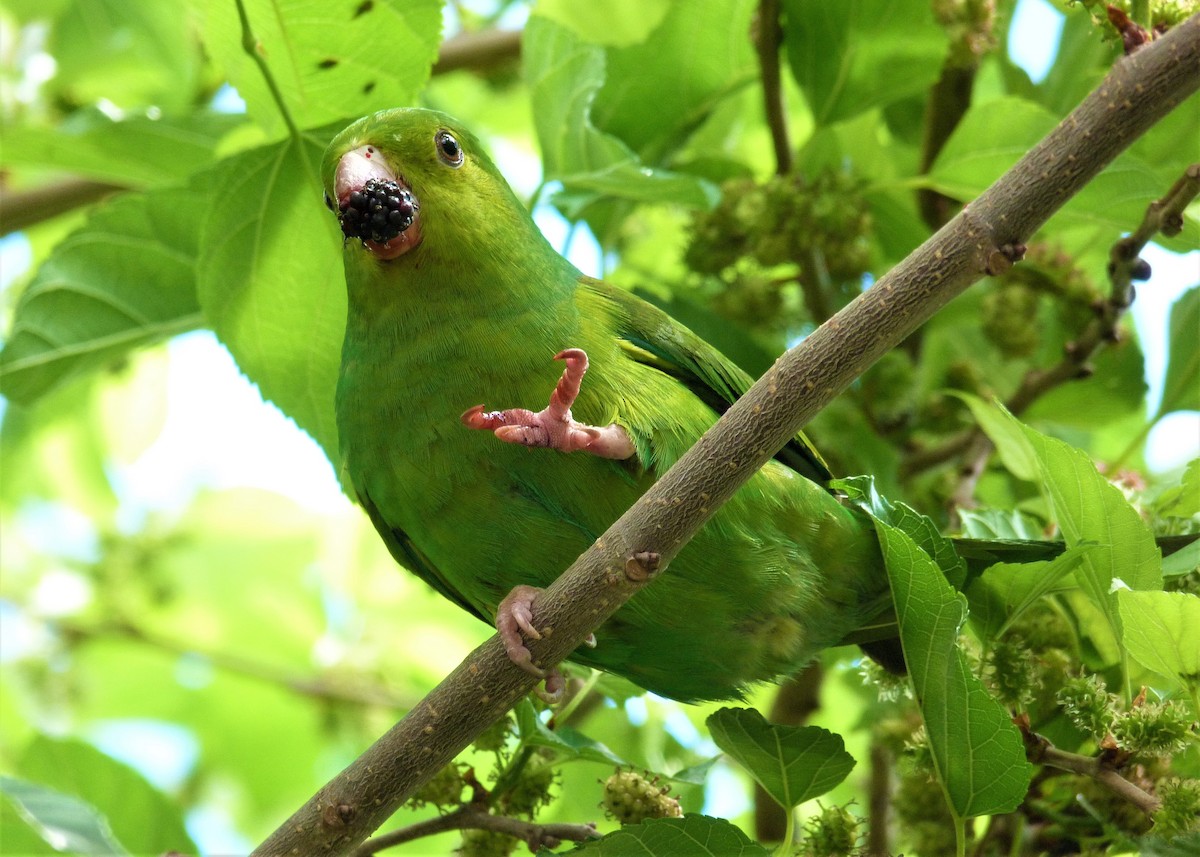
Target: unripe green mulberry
x: 445, y: 789
x: 486, y: 843
x: 1154, y: 729
x: 1180, y: 810
x: 833, y: 833
x: 631, y: 799
x: 1010, y: 319
x: 493, y: 739
x: 531, y: 791
x: 1088, y: 704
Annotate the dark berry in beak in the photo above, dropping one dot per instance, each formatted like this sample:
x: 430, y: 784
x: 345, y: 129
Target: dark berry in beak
x: 379, y: 212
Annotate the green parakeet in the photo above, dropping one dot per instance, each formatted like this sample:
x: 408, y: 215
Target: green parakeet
x: 456, y: 298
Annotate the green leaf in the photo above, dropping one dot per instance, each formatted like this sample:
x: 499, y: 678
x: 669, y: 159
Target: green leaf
x: 127, y: 278
x: 1088, y: 508
x: 1011, y: 444
x: 1116, y: 389
x: 690, y: 836
x: 1161, y: 630
x: 616, y: 22
x: 270, y: 279
x: 1017, y: 586
x: 331, y: 59
x: 993, y: 135
x: 64, y: 821
x: 855, y: 55
x: 568, y: 744
x: 1183, y: 561
x: 1181, y: 388
x: 709, y: 57
x: 142, y: 818
x: 168, y: 149
x: 861, y: 491
x: 695, y: 775
x: 977, y: 750
x: 565, y: 74
x: 1182, y: 500
x: 999, y: 524
x: 131, y: 53
x: 792, y: 763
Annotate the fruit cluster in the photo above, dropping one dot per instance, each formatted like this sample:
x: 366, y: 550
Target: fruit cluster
x: 379, y: 212
x: 630, y: 798
x: 820, y: 227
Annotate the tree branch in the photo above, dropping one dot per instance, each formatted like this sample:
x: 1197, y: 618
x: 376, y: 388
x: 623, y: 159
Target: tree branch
x: 983, y: 238
x: 24, y: 208
x: 478, y: 51
x: 768, y: 35
x: 1039, y: 750
x: 475, y: 817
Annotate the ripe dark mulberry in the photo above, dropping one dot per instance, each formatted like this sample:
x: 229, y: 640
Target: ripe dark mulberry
x: 379, y: 212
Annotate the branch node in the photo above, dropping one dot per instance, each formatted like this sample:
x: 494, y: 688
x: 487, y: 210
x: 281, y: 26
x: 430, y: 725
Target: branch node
x: 642, y: 566
x: 338, y: 815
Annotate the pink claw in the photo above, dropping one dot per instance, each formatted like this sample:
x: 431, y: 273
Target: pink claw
x: 514, y: 617
x: 553, y: 427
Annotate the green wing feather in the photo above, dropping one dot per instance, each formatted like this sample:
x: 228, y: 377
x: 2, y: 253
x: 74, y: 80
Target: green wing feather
x: 651, y: 337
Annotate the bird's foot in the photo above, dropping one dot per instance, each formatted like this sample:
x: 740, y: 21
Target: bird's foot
x: 553, y: 427
x: 514, y: 621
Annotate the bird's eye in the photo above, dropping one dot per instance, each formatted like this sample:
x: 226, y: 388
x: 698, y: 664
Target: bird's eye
x: 448, y: 149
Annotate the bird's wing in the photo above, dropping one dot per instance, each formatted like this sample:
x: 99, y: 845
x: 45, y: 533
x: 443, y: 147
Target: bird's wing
x: 653, y: 338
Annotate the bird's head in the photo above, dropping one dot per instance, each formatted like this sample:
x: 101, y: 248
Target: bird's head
x: 403, y: 179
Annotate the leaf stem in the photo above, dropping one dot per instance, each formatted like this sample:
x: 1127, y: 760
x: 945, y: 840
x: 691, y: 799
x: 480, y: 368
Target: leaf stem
x: 789, y: 835
x: 253, y: 48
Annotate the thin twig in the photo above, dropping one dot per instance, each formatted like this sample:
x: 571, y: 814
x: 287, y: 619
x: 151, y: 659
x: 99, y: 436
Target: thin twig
x: 1102, y: 769
x: 981, y: 239
x: 312, y: 687
x: 766, y: 42
x: 475, y: 817
x: 253, y: 48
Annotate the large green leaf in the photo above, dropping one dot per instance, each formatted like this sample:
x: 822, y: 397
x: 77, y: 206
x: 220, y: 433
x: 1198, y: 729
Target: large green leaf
x: 1006, y: 590
x: 69, y: 823
x: 976, y: 749
x: 565, y: 74
x: 1181, y: 388
x: 1161, y: 630
x: 861, y: 491
x: 1116, y: 389
x: 142, y: 818
x: 709, y: 57
x: 331, y: 59
x: 792, y: 763
x: 270, y: 279
x: 856, y: 55
x: 125, y: 279
x: 131, y: 53
x: 615, y: 22
x: 1088, y: 508
x: 690, y: 836
x: 136, y: 151
x: 567, y: 744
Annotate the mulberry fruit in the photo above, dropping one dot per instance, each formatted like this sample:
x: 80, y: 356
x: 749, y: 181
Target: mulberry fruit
x: 379, y: 212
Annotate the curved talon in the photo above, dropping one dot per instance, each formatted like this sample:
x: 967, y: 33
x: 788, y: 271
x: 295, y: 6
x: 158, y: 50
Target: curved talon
x: 553, y: 427
x: 514, y: 616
